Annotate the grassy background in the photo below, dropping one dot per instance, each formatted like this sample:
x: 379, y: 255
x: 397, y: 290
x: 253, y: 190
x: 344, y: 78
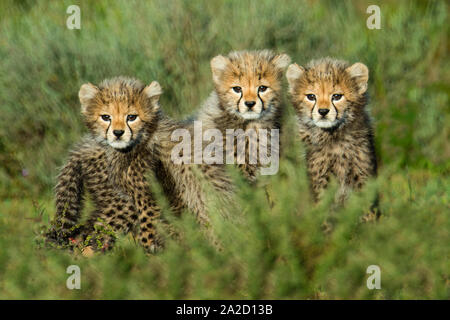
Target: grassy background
x: 277, y: 251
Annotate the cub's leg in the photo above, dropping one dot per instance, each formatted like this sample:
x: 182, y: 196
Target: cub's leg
x: 186, y: 191
x: 149, y: 215
x: 148, y: 212
x: 69, y: 202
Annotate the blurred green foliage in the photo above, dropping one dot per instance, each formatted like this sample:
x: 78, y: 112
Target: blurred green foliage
x: 271, y: 250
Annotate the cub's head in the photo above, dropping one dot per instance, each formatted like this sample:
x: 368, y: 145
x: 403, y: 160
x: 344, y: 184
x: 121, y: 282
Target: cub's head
x: 120, y: 112
x: 249, y: 83
x: 327, y: 92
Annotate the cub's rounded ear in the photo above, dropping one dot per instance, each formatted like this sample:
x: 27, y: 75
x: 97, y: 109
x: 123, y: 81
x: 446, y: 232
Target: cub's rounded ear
x: 153, y: 91
x: 87, y: 92
x: 360, y: 73
x: 281, y: 61
x: 218, y: 66
x: 293, y: 74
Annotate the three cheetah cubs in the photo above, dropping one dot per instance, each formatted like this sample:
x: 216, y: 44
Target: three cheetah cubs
x: 130, y: 135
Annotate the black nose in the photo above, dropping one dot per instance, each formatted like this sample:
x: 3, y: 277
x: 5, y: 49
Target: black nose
x: 323, y: 112
x: 118, y: 133
x: 250, y: 104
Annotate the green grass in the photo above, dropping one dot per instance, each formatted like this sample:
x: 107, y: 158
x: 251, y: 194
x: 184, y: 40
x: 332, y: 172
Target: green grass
x: 269, y: 252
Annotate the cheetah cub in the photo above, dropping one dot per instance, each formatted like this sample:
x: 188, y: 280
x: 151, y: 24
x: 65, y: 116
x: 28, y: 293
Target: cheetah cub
x: 122, y: 115
x: 247, y: 96
x: 329, y: 97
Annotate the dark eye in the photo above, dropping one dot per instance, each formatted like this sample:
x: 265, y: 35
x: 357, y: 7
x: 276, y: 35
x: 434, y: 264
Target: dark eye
x: 311, y: 97
x: 237, y: 89
x: 262, y: 88
x: 131, y: 117
x: 106, y: 117
x: 336, y: 97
